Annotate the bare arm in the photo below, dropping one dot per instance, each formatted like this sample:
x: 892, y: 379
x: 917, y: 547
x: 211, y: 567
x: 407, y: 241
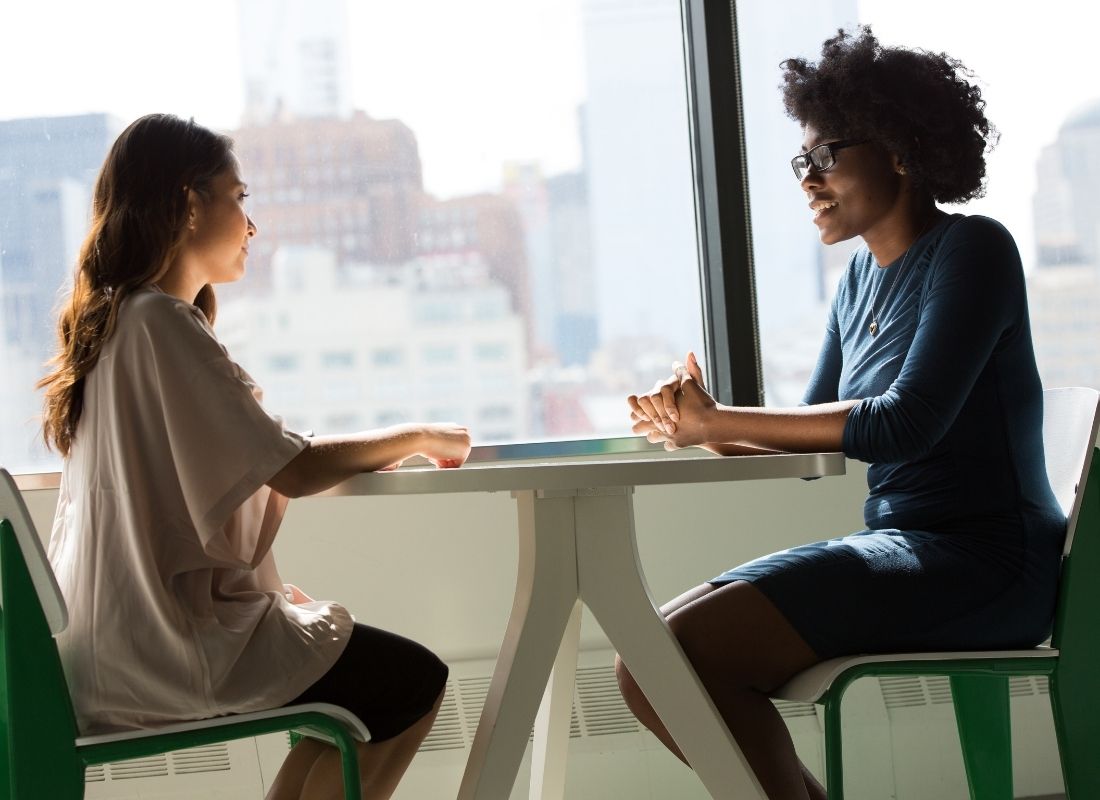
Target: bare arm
x: 679, y: 412
x: 328, y: 460
x: 805, y: 429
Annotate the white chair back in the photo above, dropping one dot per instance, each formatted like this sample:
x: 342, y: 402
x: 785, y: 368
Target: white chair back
x: 14, y: 510
x: 1071, y: 417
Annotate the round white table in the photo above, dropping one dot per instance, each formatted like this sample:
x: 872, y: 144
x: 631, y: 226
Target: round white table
x: 576, y: 544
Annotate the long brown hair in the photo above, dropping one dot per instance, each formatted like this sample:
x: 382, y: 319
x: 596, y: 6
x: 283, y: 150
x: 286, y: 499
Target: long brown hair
x: 139, y: 218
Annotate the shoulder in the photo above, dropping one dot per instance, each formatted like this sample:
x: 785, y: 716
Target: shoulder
x: 152, y: 319
x: 152, y: 308
x: 983, y: 244
x: 977, y: 230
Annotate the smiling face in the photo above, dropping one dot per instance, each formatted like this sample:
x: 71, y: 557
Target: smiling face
x: 220, y: 229
x: 862, y: 194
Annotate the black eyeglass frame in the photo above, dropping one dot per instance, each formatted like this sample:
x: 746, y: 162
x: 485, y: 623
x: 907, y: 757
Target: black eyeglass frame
x: 821, y: 157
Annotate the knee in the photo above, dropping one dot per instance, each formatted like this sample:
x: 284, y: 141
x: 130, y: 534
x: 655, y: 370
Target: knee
x: 691, y: 636
x: 713, y: 665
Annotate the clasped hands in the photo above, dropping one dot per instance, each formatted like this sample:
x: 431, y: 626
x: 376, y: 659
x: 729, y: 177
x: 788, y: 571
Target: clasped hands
x: 677, y: 410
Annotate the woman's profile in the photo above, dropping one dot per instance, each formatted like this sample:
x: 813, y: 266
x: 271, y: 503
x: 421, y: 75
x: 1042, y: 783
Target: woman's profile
x: 927, y: 372
x: 175, y: 480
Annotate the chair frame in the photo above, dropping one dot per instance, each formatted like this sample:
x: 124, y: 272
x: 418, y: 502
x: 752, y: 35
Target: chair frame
x: 980, y: 681
x: 41, y: 751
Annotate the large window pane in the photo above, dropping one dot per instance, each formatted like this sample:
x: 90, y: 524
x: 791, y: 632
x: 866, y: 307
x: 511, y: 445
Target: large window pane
x: 475, y: 210
x: 1041, y: 176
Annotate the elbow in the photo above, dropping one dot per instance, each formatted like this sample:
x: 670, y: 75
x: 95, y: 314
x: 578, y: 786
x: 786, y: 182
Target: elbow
x: 293, y: 479
x: 286, y: 487
x: 896, y: 449
x: 887, y: 435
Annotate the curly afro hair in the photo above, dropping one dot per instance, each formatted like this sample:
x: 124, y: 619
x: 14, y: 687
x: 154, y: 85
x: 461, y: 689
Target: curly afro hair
x: 916, y: 104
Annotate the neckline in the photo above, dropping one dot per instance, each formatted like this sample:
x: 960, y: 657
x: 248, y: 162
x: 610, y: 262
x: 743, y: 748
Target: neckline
x: 922, y: 235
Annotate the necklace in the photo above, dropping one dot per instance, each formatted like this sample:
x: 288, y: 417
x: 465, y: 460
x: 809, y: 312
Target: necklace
x: 874, y: 326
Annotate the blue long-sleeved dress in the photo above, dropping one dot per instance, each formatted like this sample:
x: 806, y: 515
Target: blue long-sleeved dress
x: 963, y: 541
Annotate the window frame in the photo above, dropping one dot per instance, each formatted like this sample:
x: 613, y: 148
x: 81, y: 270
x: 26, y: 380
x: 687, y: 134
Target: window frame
x: 723, y: 220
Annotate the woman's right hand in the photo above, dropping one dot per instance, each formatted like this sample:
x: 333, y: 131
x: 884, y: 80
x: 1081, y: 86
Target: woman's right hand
x: 658, y: 406
x: 445, y: 444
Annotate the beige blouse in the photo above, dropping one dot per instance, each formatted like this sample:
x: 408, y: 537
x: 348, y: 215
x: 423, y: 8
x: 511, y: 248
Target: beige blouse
x: 162, y: 538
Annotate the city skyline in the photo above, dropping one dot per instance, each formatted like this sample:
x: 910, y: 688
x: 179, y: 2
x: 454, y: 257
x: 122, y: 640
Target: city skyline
x: 1024, y: 101
x: 574, y: 238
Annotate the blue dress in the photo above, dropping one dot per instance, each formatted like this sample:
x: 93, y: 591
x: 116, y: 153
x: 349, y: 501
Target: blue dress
x: 963, y: 541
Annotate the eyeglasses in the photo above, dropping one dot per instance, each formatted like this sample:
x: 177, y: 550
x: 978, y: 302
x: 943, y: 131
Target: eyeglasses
x: 821, y: 158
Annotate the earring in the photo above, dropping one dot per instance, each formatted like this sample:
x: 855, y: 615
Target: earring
x: 902, y: 170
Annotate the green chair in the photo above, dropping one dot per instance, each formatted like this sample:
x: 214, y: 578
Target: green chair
x: 980, y: 680
x: 42, y: 754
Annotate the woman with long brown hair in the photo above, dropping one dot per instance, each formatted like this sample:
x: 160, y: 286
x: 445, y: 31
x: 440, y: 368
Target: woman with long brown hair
x: 175, y: 481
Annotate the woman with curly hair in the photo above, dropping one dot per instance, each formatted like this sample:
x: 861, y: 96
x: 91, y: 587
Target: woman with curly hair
x: 927, y: 373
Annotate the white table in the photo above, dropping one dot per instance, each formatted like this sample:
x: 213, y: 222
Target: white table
x: 576, y: 544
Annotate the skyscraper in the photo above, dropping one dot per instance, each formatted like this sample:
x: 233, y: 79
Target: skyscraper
x: 638, y: 166
x: 1065, y: 288
x: 1066, y: 204
x: 351, y: 185
x: 47, y: 169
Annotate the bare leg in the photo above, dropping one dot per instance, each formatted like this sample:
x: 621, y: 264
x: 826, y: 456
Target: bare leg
x: 381, y: 764
x: 292, y: 774
x: 312, y: 769
x: 741, y: 647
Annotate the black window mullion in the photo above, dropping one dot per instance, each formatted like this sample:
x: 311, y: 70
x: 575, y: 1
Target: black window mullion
x: 727, y: 274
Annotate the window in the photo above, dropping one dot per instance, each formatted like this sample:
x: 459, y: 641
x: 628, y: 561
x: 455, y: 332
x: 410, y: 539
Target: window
x: 495, y: 413
x: 390, y: 418
x: 387, y: 357
x: 491, y: 351
x: 343, y: 359
x: 283, y: 362
x: 439, y: 354
x: 470, y: 205
x: 1041, y: 176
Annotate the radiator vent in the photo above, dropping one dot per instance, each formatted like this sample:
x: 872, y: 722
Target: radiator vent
x: 154, y: 767
x: 911, y: 691
x: 788, y: 709
x: 602, y: 709
x: 208, y: 758
x: 939, y: 689
x: 1028, y: 685
x: 96, y: 774
x: 903, y: 692
x: 446, y: 734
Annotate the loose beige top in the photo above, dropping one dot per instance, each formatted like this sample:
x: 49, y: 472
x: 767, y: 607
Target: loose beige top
x: 162, y: 539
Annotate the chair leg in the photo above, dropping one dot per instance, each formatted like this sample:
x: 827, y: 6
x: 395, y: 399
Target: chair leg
x: 834, y: 750
x: 985, y: 732
x: 349, y: 761
x: 1074, y: 704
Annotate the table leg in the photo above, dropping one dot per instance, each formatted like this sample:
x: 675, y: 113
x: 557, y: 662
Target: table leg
x: 551, y: 745
x: 612, y: 585
x: 546, y: 595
